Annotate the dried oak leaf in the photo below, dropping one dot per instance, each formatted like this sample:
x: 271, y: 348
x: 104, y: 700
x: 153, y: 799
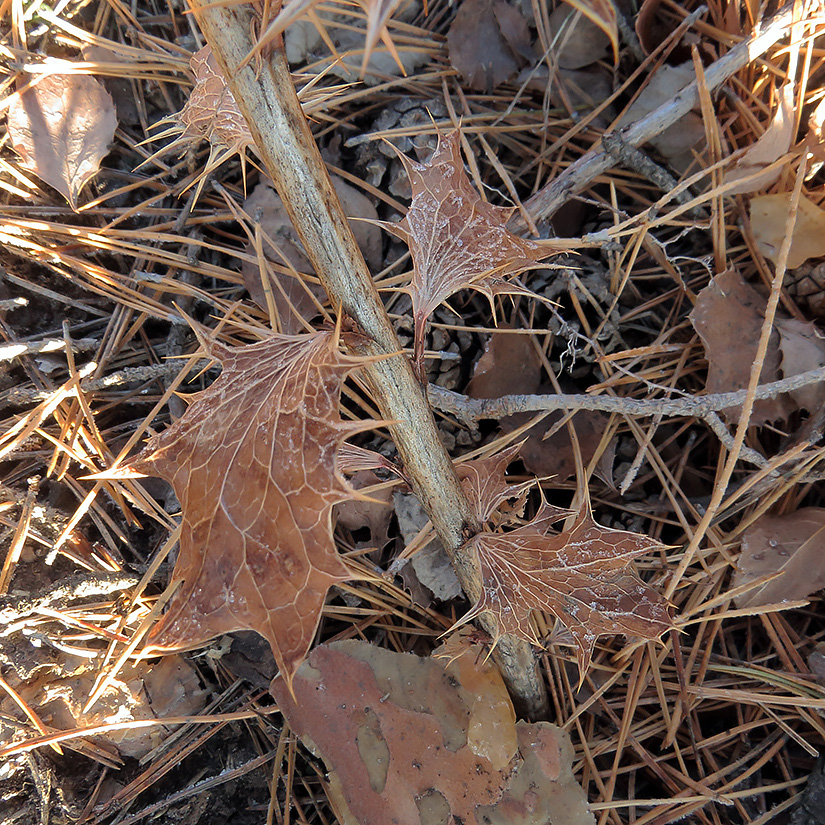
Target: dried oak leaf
x: 62, y: 128
x: 488, y: 42
x: 410, y: 741
x: 769, y: 213
x: 457, y: 240
x: 792, y: 545
x: 253, y: 463
x: 583, y: 576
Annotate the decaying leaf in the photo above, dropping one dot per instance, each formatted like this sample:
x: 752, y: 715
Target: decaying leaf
x: 485, y: 485
x: 253, y: 463
x: 583, y: 30
x: 583, y: 576
x: 728, y: 317
x: 61, y: 128
x: 677, y: 142
x: 769, y: 214
x: 815, y: 138
x: 457, y: 240
x: 488, y: 42
x: 792, y: 545
x: 414, y: 741
x: 774, y: 142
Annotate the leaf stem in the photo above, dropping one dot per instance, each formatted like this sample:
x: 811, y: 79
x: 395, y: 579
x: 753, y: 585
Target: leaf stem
x: 287, y: 148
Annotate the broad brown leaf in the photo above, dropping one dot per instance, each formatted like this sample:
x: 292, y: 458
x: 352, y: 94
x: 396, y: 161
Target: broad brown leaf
x: 253, y: 463
x: 62, y: 128
x: 583, y: 576
x: 456, y: 239
x: 415, y: 741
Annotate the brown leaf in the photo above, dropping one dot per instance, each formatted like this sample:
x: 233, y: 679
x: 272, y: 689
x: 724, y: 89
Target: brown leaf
x: 488, y: 42
x: 253, y: 463
x: 410, y: 741
x: 791, y: 544
x: 774, y: 142
x: 457, y: 240
x: 728, y: 317
x: 62, y: 128
x: 583, y: 38
x: 509, y: 365
x: 803, y: 348
x: 769, y: 214
x: 583, y: 576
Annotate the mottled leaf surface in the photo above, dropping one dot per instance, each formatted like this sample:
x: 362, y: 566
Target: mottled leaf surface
x: 61, y: 128
x: 416, y: 741
x: 253, y: 463
x: 456, y: 239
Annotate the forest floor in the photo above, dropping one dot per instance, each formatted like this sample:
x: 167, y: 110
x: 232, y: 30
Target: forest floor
x: 671, y: 282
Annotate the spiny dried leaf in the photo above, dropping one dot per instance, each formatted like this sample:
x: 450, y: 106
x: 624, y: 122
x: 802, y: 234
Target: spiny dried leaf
x: 485, y: 485
x: 457, y: 240
x: 253, y: 463
x: 583, y: 576
x: 62, y: 128
x: 409, y: 741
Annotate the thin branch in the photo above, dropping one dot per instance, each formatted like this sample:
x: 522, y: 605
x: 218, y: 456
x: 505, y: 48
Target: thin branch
x: 471, y: 410
x: 287, y: 148
x: 582, y: 172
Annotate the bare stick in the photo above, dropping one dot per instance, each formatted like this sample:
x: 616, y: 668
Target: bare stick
x: 471, y: 410
x: 587, y: 168
x: 285, y: 144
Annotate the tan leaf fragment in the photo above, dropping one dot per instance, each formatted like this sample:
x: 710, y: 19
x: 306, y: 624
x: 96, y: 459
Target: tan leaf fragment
x: 774, y: 142
x: 62, y: 127
x: 802, y: 345
x: 815, y: 138
x: 769, y: 214
x: 488, y: 42
x: 253, y: 463
x: 411, y: 741
x: 582, y: 576
x: 457, y: 240
x: 583, y: 38
x: 792, y: 545
x: 728, y: 317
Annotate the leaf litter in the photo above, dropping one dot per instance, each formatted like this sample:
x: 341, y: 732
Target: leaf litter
x: 653, y: 735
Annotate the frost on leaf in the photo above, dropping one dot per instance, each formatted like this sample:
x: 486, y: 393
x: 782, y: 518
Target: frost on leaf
x: 62, y: 128
x: 410, y: 741
x: 253, y: 463
x: 457, y: 240
x: 583, y: 576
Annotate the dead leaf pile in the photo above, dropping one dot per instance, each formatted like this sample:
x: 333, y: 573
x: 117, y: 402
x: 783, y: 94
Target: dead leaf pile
x: 728, y: 317
x: 61, y: 127
x: 414, y: 741
x: 253, y: 463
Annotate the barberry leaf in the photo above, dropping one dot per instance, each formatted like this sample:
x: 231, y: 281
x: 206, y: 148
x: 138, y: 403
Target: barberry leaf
x: 62, y: 127
x: 582, y: 576
x: 253, y: 463
x: 456, y: 239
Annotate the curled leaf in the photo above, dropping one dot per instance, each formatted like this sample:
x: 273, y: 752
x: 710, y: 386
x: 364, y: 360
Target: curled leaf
x: 62, y: 127
x: 253, y: 463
